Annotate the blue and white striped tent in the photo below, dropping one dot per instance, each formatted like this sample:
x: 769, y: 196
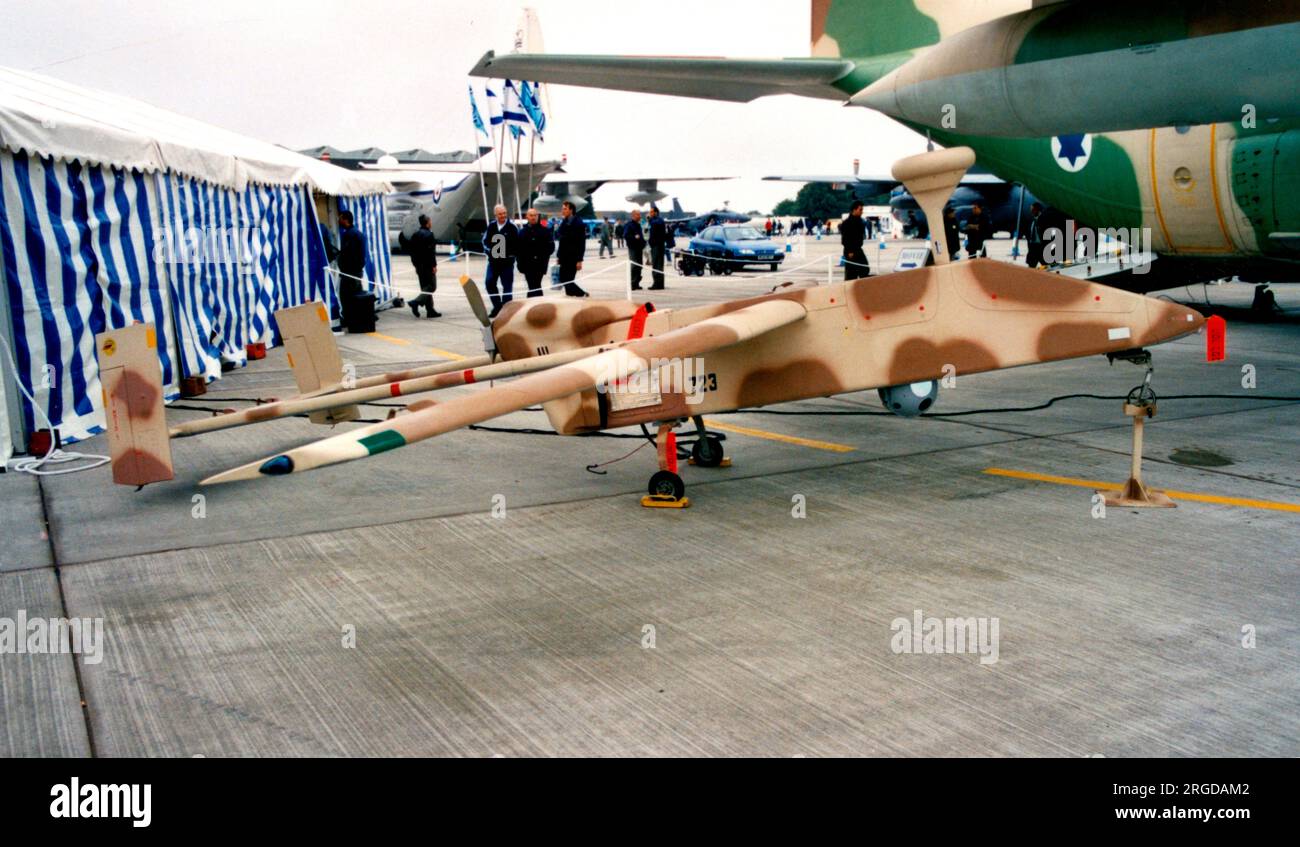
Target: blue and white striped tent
x: 113, y: 212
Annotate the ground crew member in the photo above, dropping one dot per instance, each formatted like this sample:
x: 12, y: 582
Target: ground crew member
x: 423, y: 248
x: 853, y: 233
x: 535, y: 248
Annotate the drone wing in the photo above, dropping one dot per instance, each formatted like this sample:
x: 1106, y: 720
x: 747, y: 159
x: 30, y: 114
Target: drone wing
x: 693, y: 340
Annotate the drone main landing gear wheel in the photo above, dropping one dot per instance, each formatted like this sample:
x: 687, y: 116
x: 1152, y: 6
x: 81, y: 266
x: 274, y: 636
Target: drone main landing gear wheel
x: 707, y: 451
x: 666, y: 489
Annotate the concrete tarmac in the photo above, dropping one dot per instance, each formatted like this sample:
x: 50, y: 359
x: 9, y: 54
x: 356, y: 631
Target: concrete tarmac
x: 482, y: 593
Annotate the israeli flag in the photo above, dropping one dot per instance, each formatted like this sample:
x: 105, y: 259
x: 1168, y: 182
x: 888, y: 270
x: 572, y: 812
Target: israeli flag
x: 478, y: 118
x: 533, y: 108
x: 513, y: 111
x: 494, y: 107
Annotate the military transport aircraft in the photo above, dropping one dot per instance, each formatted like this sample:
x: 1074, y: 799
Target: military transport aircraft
x: 604, y: 365
x: 1218, y: 198
x: 451, y: 195
x: 559, y: 187
x: 1008, y: 205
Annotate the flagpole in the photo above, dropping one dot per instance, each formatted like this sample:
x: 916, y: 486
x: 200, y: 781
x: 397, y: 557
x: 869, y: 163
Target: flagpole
x: 478, y: 155
x: 500, y: 156
x: 532, y: 147
x: 515, y: 172
x: 500, y: 109
x: 482, y: 180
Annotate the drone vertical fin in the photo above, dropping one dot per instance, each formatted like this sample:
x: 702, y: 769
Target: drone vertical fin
x: 131, y: 376
x: 313, y: 356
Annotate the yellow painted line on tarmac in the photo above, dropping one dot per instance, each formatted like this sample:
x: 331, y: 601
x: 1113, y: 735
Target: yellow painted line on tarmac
x: 776, y: 436
x: 1177, y: 495
x: 406, y: 342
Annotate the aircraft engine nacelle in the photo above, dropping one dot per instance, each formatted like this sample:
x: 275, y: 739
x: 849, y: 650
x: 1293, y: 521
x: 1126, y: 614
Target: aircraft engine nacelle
x: 908, y: 401
x: 642, y: 197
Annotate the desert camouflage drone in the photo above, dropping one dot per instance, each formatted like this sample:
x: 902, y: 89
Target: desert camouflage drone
x: 609, y: 364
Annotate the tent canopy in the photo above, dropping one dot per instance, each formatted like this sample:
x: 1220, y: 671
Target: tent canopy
x: 50, y: 118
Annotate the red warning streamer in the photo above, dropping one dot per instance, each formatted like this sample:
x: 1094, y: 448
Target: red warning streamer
x: 1216, y: 339
x: 636, y: 328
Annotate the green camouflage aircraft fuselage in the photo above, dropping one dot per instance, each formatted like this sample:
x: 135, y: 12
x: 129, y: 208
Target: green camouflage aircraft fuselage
x: 1217, y: 198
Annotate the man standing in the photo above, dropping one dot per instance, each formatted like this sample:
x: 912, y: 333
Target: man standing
x: 951, y: 238
x: 658, y: 243
x: 1034, y: 251
x: 571, y: 237
x: 606, y: 238
x: 635, y: 240
x: 535, y: 248
x: 424, y: 255
x: 978, y: 229
x: 352, y: 270
x: 501, y: 244
x: 853, y: 233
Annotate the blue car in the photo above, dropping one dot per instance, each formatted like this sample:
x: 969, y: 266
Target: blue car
x: 724, y: 249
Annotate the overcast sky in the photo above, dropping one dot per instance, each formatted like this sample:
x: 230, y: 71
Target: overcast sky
x: 392, y: 74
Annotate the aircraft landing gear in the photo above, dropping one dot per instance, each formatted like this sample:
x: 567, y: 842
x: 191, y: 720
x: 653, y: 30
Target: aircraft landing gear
x: 667, y: 491
x: 707, y: 450
x: 1139, y: 405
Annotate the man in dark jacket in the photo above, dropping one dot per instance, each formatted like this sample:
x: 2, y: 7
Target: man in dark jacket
x: 423, y: 248
x: 979, y: 228
x: 658, y: 244
x: 535, y: 248
x: 635, y: 240
x: 853, y: 234
x: 571, y: 241
x: 951, y: 236
x: 501, y: 244
x: 1036, y: 240
x: 352, y: 267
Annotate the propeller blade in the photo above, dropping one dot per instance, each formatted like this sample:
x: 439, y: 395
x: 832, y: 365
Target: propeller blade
x: 475, y: 298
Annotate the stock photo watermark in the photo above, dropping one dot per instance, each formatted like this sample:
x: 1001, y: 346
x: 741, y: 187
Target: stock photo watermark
x: 920, y: 635
x: 25, y: 634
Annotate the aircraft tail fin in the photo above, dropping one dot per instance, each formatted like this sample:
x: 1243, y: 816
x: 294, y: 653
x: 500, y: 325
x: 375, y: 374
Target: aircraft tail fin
x: 678, y: 212
x: 131, y: 376
x: 313, y: 356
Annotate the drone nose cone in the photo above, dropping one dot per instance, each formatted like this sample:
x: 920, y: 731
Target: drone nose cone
x: 1168, y: 320
x: 279, y: 466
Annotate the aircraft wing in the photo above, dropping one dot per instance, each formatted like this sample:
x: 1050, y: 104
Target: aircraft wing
x: 738, y: 80
x: 878, y: 184
x: 871, y: 184
x: 561, y: 381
